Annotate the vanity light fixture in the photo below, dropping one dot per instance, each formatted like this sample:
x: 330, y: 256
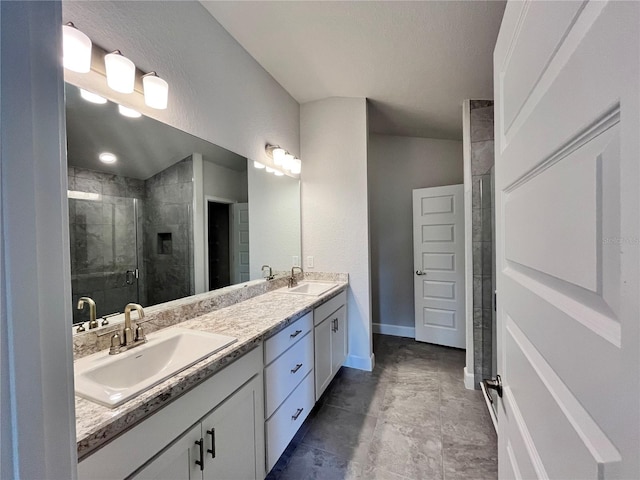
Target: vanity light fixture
x: 283, y: 159
x: 129, y: 112
x: 156, y: 91
x: 276, y: 153
x: 107, y: 157
x: 258, y: 165
x: 92, y: 97
x: 288, y: 161
x: 76, y: 47
x: 121, y: 72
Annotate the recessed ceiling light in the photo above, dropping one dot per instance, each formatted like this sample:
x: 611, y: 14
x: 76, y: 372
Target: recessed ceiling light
x: 92, y: 97
x: 107, y: 157
x: 129, y: 112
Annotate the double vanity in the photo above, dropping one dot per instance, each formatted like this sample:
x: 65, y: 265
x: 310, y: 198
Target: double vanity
x: 217, y: 396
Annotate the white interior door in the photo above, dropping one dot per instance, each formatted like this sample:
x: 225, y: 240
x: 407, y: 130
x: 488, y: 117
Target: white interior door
x: 566, y: 79
x: 240, y: 242
x: 438, y: 253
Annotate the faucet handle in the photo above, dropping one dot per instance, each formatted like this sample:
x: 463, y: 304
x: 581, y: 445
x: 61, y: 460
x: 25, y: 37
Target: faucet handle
x: 115, y: 344
x: 140, y: 336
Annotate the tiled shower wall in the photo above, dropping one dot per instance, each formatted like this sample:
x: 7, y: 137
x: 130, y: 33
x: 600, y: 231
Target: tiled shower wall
x: 103, y: 240
x: 482, y: 160
x: 168, y: 233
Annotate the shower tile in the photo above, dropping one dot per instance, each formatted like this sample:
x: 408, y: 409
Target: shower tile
x: 482, y: 157
x: 71, y: 182
x: 114, y: 185
x: 88, y: 212
x: 477, y: 257
x: 487, y: 292
x: 87, y: 185
x: 83, y: 173
x: 481, y: 124
x: 487, y: 258
x: 135, y: 188
x: 473, y: 104
x: 185, y: 171
x: 476, y: 225
x: 475, y: 191
x: 477, y: 291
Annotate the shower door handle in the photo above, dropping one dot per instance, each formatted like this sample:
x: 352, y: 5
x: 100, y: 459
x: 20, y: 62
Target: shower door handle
x: 130, y: 276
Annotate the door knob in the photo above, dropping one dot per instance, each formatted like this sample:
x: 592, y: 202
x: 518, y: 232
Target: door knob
x: 420, y: 272
x: 494, y: 385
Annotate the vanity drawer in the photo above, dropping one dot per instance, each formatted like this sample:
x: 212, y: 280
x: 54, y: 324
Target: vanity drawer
x: 282, y: 376
x: 328, y: 307
x: 284, y: 424
x: 281, y: 341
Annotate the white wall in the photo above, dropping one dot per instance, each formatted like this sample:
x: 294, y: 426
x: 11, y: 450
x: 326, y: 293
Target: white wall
x: 37, y: 418
x: 274, y: 221
x: 333, y: 139
x: 224, y: 183
x: 217, y: 91
x: 397, y: 165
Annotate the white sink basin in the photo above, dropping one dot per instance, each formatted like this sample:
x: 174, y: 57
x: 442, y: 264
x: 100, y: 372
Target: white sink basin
x: 113, y: 379
x: 311, y: 288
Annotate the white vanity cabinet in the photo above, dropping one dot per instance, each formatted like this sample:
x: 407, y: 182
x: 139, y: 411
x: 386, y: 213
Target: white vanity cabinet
x: 330, y: 334
x: 219, y: 447
x: 288, y: 378
x: 225, y: 412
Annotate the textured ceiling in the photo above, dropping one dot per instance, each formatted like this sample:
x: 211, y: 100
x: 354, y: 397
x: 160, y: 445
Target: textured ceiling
x: 415, y: 61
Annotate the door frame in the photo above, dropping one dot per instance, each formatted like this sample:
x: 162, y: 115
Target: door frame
x: 213, y: 199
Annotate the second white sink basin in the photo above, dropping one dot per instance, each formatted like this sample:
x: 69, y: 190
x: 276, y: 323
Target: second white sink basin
x: 311, y: 288
x: 111, y: 380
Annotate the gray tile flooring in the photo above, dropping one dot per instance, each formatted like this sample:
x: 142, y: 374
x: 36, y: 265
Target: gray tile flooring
x: 409, y: 419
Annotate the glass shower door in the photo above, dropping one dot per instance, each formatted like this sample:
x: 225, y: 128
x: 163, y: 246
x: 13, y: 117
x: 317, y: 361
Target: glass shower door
x: 104, y: 252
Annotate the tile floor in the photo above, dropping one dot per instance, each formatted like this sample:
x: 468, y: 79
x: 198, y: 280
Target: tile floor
x: 409, y: 419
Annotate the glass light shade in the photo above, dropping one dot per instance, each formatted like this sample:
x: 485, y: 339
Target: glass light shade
x: 288, y: 161
x: 129, y: 112
x: 76, y: 47
x: 121, y: 72
x: 277, y: 173
x: 296, y: 166
x: 156, y: 91
x: 107, y: 157
x: 258, y: 165
x: 278, y: 155
x: 270, y: 170
x: 92, y: 97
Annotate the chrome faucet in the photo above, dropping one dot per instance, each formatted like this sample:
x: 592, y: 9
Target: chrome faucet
x: 93, y: 323
x: 292, y: 279
x: 129, y: 340
x: 270, y: 276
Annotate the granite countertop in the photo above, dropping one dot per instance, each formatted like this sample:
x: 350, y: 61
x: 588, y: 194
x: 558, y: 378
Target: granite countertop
x: 250, y: 321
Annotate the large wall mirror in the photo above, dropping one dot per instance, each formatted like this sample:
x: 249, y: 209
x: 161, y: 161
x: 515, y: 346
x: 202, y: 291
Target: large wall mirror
x: 172, y: 216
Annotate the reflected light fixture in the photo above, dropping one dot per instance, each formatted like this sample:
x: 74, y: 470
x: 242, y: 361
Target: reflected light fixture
x: 107, y: 157
x: 156, y: 91
x: 129, y: 112
x: 278, y: 173
x: 270, y: 170
x: 288, y: 161
x: 121, y: 72
x: 296, y: 166
x: 279, y: 155
x: 92, y: 97
x: 76, y: 48
x: 258, y: 164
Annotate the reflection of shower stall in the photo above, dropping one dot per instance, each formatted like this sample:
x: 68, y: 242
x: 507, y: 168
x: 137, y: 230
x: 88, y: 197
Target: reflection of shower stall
x: 104, y: 252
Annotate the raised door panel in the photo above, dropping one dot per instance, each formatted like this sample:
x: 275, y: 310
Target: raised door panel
x: 178, y: 462
x: 338, y: 339
x: 323, y: 365
x: 230, y: 436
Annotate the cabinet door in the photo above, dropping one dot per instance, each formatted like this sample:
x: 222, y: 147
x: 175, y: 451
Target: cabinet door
x: 231, y: 436
x: 322, y: 343
x: 338, y: 339
x: 178, y: 462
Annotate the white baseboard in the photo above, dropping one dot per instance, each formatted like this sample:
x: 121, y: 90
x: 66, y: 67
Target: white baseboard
x: 469, y: 380
x: 395, y: 330
x: 360, y: 363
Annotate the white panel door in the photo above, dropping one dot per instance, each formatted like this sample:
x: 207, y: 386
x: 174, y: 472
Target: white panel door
x: 438, y: 252
x: 240, y: 242
x: 566, y: 79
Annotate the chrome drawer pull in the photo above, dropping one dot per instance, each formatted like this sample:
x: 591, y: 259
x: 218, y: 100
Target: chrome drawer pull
x: 295, y: 334
x: 298, y: 367
x: 297, y: 414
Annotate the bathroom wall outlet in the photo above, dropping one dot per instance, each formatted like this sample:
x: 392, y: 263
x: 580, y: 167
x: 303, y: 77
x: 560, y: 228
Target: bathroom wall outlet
x: 310, y: 261
x: 295, y: 261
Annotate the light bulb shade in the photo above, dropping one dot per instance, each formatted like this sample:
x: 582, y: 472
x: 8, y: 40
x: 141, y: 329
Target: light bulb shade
x: 288, y: 161
x: 270, y: 170
x: 76, y: 49
x: 121, y: 72
x: 258, y: 165
x: 278, y: 155
x: 296, y: 166
x: 156, y: 91
x: 278, y: 173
